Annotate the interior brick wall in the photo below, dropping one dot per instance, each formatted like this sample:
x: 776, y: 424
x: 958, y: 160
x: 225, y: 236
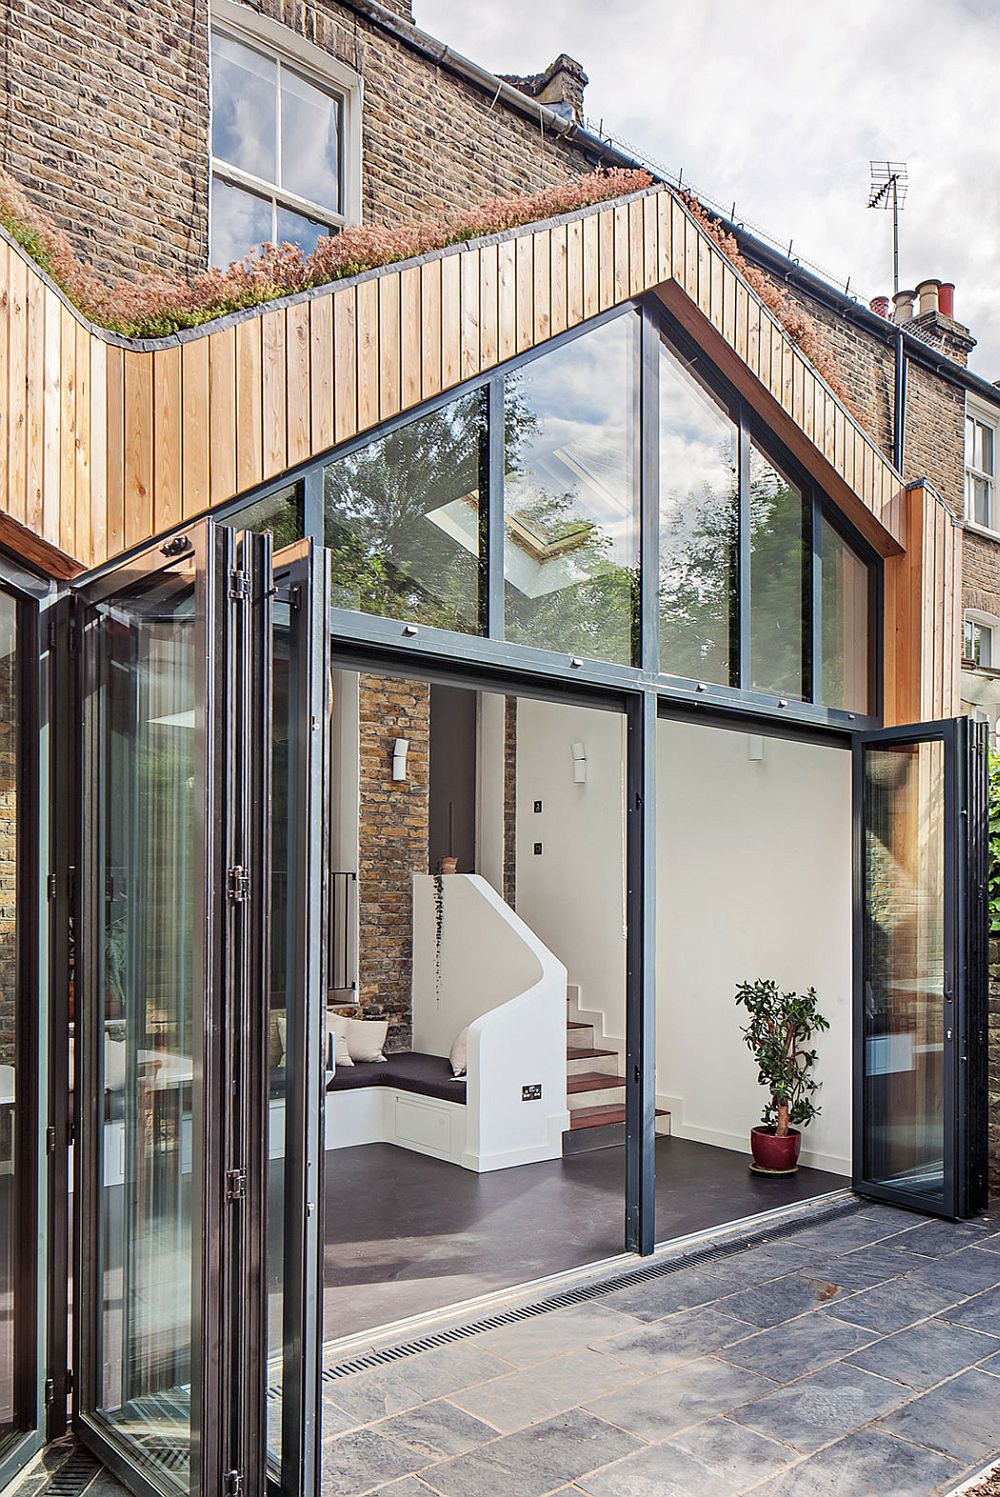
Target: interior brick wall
x: 106, y: 124
x: 393, y: 840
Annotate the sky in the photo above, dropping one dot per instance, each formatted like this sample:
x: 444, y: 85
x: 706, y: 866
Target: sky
x: 779, y: 105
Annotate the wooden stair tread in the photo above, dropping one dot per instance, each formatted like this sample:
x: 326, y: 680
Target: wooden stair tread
x: 599, y: 1117
x: 575, y: 1024
x: 574, y: 1053
x: 593, y: 1081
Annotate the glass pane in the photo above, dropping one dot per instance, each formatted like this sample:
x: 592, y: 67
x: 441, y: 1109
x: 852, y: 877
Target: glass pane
x: 280, y: 513
x: 970, y: 642
x: 981, y: 500
x: 777, y: 580
x: 402, y: 519
x: 149, y: 765
x: 845, y: 593
x: 310, y: 141
x: 10, y: 1306
x: 244, y: 108
x: 986, y: 457
x: 904, y: 960
x: 571, y: 503
x: 699, y: 528
x: 296, y: 228
x: 240, y: 221
x: 970, y: 441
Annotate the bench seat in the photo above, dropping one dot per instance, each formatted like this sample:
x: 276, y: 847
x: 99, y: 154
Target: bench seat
x: 408, y: 1071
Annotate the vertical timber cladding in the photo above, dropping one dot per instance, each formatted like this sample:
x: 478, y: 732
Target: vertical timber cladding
x: 923, y: 614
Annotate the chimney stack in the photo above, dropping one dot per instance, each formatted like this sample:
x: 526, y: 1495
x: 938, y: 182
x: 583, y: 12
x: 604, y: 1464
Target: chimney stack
x: 902, y: 306
x: 560, y: 86
x: 880, y: 306
x: 934, y: 321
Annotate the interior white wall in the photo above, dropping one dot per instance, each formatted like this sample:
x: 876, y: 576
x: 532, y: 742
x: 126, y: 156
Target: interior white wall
x: 753, y: 880
x: 573, y: 894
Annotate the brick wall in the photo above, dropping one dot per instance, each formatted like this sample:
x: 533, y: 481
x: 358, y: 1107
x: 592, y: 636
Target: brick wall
x: 393, y: 841
x: 106, y: 119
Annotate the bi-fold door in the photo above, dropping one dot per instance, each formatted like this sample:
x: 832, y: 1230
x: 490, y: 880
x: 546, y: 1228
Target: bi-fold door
x: 199, y: 1015
x: 920, y: 1033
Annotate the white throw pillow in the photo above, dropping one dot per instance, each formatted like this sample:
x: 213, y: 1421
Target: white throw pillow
x: 337, y: 1028
x: 114, y: 1064
x: 459, y: 1055
x: 365, y: 1038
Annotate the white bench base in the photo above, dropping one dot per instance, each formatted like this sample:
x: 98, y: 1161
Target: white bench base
x: 389, y: 1115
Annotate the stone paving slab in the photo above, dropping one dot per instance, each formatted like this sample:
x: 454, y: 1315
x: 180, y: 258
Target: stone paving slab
x: 859, y: 1355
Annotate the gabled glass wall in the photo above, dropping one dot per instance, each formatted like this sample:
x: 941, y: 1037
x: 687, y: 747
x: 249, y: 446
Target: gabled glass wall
x: 607, y: 502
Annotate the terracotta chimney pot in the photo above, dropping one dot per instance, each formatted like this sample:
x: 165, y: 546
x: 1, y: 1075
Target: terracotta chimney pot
x: 927, y: 297
x: 946, y: 299
x: 880, y: 305
x: 902, y: 306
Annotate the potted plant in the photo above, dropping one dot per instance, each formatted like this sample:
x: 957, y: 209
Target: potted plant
x: 778, y: 1035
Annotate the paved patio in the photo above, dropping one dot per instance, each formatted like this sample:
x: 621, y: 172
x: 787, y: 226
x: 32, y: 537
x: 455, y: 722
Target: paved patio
x: 859, y: 1355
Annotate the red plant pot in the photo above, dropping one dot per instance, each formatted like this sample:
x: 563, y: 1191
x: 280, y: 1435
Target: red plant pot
x: 780, y: 1155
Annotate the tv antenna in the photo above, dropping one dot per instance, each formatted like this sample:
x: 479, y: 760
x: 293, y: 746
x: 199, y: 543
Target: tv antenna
x: 888, y: 190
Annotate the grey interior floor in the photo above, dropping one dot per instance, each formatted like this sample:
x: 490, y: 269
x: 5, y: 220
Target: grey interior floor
x: 406, y: 1234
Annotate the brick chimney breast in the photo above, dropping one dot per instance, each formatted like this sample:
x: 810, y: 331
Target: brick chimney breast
x: 560, y: 86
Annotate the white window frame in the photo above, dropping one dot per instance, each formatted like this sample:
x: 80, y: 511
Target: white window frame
x: 984, y: 621
x: 986, y: 415
x: 279, y: 42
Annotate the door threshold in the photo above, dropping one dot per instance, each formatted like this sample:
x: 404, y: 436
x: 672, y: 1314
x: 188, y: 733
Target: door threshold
x: 524, y: 1296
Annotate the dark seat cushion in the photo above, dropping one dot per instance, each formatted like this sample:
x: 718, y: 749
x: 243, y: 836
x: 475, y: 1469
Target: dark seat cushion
x: 410, y: 1070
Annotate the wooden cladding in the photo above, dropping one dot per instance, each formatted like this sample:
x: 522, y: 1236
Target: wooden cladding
x: 923, y: 614
x: 104, y: 446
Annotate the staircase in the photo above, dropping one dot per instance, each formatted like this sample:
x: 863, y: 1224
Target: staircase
x: 595, y: 1083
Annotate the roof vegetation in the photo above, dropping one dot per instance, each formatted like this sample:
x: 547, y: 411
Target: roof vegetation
x: 157, y: 304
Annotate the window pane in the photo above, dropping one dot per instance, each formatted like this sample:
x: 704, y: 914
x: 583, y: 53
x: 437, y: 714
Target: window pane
x: 777, y: 577
x: 699, y: 528
x: 969, y: 642
x: 984, y: 654
x: 240, y: 220
x: 10, y: 1305
x: 310, y: 141
x: 970, y: 441
x: 244, y: 107
x: 981, y: 500
x: 402, y: 519
x: 279, y: 513
x: 296, y: 228
x: 571, y: 542
x: 844, y: 679
x: 986, y: 459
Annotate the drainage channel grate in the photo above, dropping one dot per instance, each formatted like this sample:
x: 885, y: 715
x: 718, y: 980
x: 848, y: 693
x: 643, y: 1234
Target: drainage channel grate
x: 73, y: 1477
x: 582, y: 1293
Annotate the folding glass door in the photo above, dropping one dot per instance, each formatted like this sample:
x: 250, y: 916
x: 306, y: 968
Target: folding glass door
x: 920, y: 973
x: 174, y: 1069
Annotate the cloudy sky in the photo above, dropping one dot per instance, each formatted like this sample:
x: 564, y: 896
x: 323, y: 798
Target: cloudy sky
x: 779, y: 105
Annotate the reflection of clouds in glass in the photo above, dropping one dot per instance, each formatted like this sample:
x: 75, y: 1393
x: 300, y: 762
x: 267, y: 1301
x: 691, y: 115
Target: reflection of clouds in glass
x: 240, y: 220
x: 310, y: 130
x: 244, y: 130
x: 581, y: 447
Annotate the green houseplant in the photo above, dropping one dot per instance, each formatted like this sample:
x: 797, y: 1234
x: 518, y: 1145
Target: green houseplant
x: 778, y: 1035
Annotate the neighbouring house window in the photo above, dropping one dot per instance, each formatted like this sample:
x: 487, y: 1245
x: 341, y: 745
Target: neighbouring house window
x: 844, y: 672
x: 401, y: 519
x: 980, y: 472
x: 571, y: 496
x: 282, y: 142
x: 979, y: 643
x: 779, y: 542
x: 699, y: 528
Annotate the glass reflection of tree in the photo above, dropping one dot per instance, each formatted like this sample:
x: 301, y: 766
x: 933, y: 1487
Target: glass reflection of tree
x: 388, y: 557
x: 595, y: 612
x: 777, y: 546
x: 698, y: 577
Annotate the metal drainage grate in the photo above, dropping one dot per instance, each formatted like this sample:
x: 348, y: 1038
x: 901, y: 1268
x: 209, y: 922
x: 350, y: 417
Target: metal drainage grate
x: 73, y: 1477
x: 582, y: 1293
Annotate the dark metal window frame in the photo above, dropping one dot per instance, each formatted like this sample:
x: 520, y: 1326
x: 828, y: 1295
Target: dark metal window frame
x: 34, y: 1028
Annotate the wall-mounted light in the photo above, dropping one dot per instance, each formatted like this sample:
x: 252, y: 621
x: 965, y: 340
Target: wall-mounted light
x: 579, y: 764
x: 755, y: 747
x: 400, y: 748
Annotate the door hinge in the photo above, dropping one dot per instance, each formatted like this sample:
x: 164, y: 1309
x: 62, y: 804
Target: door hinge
x: 50, y: 1139
x: 238, y: 884
x: 50, y: 886
x: 236, y: 1185
x: 232, y: 1484
x: 69, y: 1380
x: 240, y: 585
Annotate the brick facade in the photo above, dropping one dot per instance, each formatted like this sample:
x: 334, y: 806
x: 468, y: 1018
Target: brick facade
x: 111, y: 137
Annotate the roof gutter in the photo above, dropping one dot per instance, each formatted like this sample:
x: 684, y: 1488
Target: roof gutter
x: 443, y: 56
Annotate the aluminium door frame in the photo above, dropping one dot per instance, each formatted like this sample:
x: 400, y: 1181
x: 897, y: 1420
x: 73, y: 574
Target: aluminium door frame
x: 953, y: 733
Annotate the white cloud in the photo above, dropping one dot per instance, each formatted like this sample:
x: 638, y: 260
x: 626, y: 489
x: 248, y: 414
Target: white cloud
x: 778, y: 106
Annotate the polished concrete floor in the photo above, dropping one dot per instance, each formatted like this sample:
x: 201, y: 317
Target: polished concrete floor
x: 406, y: 1234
